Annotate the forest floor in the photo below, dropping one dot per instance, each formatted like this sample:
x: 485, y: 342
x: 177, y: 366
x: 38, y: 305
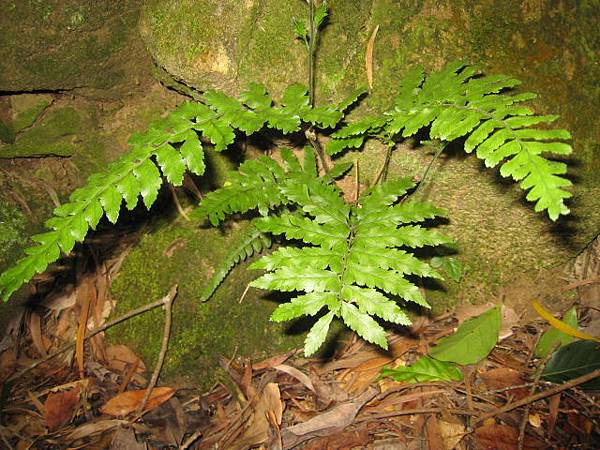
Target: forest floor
x: 64, y: 386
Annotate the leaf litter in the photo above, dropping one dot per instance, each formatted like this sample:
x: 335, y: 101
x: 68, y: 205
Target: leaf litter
x: 286, y: 401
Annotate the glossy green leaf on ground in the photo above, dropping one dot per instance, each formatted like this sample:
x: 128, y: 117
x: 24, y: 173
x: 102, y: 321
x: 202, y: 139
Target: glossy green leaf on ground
x: 553, y: 338
x: 423, y: 370
x: 574, y: 360
x: 472, y: 341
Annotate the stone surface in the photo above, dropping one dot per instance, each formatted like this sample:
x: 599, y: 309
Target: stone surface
x: 67, y: 44
x: 553, y: 47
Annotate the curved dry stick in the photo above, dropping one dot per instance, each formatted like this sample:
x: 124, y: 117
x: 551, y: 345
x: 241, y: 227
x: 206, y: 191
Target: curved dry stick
x: 163, y: 350
x: 106, y: 326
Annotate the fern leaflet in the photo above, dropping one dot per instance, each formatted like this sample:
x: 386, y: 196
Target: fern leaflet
x: 458, y: 102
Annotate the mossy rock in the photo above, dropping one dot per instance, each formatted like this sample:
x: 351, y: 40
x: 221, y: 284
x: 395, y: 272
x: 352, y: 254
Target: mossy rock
x: 231, y: 323
x: 554, y: 48
x: 66, y: 44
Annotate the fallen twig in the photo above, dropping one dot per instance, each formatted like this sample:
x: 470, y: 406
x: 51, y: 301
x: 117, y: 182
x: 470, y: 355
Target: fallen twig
x: 106, y: 326
x: 541, y: 395
x: 163, y: 350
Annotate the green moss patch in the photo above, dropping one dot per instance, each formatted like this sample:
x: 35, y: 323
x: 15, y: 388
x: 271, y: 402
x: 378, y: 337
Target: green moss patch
x: 226, y: 325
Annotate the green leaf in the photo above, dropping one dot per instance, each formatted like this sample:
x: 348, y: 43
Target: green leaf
x: 193, y: 154
x: 110, y: 200
x: 339, y: 170
x: 473, y: 340
x: 171, y: 164
x: 220, y: 133
x: 93, y: 213
x: 317, y: 334
x: 320, y: 14
x: 303, y: 305
x: 336, y: 145
x: 129, y: 188
x: 423, y: 370
x: 574, y: 360
x: 552, y: 338
x: 363, y: 324
x: 300, y: 29
x: 149, y: 178
x: 452, y: 266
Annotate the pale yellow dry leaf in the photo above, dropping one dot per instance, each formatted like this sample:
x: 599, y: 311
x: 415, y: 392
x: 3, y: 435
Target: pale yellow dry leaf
x: 452, y: 433
x: 369, y: 57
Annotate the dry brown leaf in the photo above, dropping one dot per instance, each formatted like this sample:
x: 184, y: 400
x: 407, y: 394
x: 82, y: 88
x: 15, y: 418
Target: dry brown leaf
x: 61, y: 300
x: 503, y: 437
x: 298, y: 375
x: 342, y: 441
x: 35, y: 329
x: 435, y: 440
x: 120, y: 356
x: 274, y: 361
x: 369, y: 57
x: 124, y: 439
x: 553, y: 405
x: 257, y: 428
x: 79, y: 347
x: 93, y: 428
x: 504, y: 377
x: 128, y: 402
x: 452, y: 433
x: 327, y: 423
x: 59, y: 407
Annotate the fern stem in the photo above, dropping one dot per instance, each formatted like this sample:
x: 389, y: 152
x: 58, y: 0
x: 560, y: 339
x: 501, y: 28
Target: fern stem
x: 312, y: 41
x: 426, y: 173
x: 382, y: 174
x: 311, y: 136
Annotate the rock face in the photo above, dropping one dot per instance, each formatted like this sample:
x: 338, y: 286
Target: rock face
x: 553, y: 47
x: 66, y: 44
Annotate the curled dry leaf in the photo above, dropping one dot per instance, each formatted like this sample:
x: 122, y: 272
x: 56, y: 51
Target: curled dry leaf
x: 369, y: 57
x: 300, y: 376
x: 119, y: 356
x: 128, y: 402
x: 93, y: 428
x: 256, y: 432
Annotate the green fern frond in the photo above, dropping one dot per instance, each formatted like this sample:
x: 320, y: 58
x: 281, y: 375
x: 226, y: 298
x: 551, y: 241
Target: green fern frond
x: 252, y: 243
x: 137, y: 173
x: 169, y: 148
x: 354, y: 261
x: 458, y: 102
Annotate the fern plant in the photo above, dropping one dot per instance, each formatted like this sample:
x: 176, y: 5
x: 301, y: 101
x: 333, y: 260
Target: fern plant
x: 350, y: 260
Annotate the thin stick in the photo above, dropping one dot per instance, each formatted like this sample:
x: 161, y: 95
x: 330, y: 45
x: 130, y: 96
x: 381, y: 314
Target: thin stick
x: 536, y: 381
x: 382, y: 174
x: 312, y: 45
x: 580, y: 283
x: 177, y: 204
x: 356, y: 181
x: 106, y: 326
x: 410, y: 412
x: 189, y: 441
x: 163, y: 350
x: 541, y: 395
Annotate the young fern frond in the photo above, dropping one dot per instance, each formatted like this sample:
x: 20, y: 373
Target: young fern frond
x: 253, y: 242
x: 457, y: 102
x: 169, y: 148
x: 353, y: 261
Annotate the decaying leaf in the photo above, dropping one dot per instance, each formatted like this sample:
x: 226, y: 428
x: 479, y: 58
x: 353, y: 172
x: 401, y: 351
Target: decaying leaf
x: 268, y: 408
x: 327, y: 423
x: 59, y: 407
x: 300, y: 376
x: 93, y: 428
x: 452, y: 433
x: 504, y: 377
x: 503, y: 437
x: 128, y: 402
x: 119, y: 356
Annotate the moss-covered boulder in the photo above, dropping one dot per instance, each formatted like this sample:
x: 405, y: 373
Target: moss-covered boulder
x: 234, y: 322
x: 553, y: 47
x: 67, y: 44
